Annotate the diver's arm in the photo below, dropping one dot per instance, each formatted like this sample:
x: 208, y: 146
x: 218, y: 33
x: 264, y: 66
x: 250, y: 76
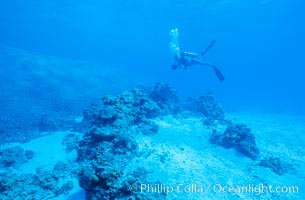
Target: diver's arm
x: 190, y: 54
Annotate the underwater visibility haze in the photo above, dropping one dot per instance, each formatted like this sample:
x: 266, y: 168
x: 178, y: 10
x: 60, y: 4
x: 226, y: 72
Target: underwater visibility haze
x: 152, y: 99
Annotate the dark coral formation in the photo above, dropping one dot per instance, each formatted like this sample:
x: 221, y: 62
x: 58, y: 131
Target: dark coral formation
x: 109, y: 123
x: 42, y: 185
x: 108, y: 181
x: 105, y: 175
x: 15, y: 156
x: 276, y: 165
x: 122, y: 111
x: 208, y: 107
x: 239, y: 137
x: 133, y: 106
x: 108, y: 144
x: 166, y: 98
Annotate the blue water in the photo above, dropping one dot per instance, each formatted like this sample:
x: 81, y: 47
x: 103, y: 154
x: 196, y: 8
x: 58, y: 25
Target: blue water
x: 57, y: 57
x: 260, y: 44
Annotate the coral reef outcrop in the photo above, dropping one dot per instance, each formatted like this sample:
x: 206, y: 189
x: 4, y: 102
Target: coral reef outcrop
x: 239, y: 137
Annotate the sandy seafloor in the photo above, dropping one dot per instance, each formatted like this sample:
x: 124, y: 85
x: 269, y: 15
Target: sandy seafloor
x: 192, y: 163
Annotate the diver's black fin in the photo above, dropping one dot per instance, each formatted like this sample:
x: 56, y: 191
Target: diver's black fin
x: 208, y: 48
x: 218, y: 73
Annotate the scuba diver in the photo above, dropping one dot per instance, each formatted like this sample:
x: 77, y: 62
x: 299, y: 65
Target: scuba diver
x: 186, y: 59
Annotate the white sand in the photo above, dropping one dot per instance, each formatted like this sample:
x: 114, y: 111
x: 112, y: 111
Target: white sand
x: 48, y: 151
x: 191, y: 159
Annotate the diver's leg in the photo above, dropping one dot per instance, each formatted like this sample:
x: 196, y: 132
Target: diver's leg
x: 216, y: 70
x: 199, y: 62
x: 208, y: 48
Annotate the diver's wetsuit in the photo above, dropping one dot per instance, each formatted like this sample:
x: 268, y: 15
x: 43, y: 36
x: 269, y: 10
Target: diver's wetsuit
x: 186, y: 59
